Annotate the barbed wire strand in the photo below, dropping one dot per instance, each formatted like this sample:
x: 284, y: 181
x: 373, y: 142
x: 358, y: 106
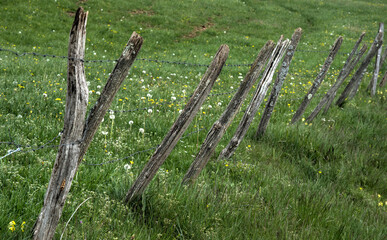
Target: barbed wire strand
x: 144, y: 59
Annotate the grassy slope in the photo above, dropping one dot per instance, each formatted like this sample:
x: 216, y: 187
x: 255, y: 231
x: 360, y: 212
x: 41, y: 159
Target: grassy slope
x: 321, y: 181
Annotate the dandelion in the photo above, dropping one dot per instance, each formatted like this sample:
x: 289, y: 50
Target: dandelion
x: 11, y: 226
x: 219, y: 104
x: 173, y: 98
x: 127, y: 167
x: 22, y: 226
x: 44, y: 94
x: 104, y: 133
x: 98, y: 93
x: 130, y: 122
x: 112, y: 116
x: 149, y: 95
x: 380, y: 204
x: 58, y: 99
x: 310, y: 96
x: 150, y: 111
x: 141, y: 130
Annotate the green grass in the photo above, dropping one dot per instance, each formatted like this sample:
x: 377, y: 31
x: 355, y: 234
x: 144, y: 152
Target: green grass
x: 325, y: 180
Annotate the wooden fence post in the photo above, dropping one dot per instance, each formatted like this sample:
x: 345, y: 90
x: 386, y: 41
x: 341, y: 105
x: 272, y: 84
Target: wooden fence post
x: 256, y: 101
x: 317, y: 82
x: 347, y: 69
x: 374, y: 80
x: 383, y: 82
x: 72, y: 144
x: 354, y: 83
x: 278, y: 83
x: 219, y: 128
x: 180, y: 125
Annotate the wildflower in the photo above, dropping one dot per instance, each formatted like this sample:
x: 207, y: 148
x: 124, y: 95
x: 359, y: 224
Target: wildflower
x: 219, y: 104
x: 380, y: 204
x: 310, y: 96
x: 44, y: 94
x: 98, y: 93
x: 104, y: 133
x: 130, y: 122
x: 150, y: 110
x: 379, y: 196
x: 11, y: 226
x: 173, y: 98
x: 58, y: 99
x: 112, y: 116
x: 127, y: 166
x: 141, y: 130
x: 22, y: 226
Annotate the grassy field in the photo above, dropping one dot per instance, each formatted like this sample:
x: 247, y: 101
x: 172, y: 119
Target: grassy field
x: 324, y: 180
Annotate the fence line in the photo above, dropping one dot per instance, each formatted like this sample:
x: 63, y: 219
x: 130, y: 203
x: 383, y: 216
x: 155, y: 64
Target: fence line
x: 145, y: 59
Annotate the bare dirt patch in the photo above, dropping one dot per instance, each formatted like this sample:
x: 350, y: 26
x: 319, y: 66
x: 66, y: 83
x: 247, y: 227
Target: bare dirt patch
x: 141, y: 12
x: 198, y: 29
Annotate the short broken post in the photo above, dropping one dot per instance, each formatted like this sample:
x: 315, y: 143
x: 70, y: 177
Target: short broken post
x: 256, y: 101
x: 180, y: 125
x: 278, y: 83
x: 317, y: 82
x: 345, y: 71
x: 351, y: 88
x: 72, y: 145
x: 374, y: 80
x: 219, y: 128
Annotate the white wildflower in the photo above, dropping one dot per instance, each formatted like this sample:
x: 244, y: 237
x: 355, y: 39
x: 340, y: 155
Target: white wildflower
x: 141, y: 130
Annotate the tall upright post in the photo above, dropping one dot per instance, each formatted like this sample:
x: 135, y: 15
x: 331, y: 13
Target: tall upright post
x: 74, y: 141
x: 374, y: 80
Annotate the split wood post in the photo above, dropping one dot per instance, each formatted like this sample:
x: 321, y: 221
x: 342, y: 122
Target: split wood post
x: 347, y: 69
x: 351, y: 89
x: 180, y: 125
x: 278, y: 83
x: 72, y: 144
x: 219, y: 128
x: 317, y: 82
x: 256, y: 101
x: 374, y: 80
x: 383, y: 82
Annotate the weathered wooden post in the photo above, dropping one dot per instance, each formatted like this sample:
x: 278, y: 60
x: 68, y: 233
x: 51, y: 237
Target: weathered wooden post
x: 317, y: 82
x: 256, y: 101
x: 73, y: 144
x: 384, y: 80
x: 354, y: 83
x: 374, y: 80
x: 219, y: 128
x: 180, y: 125
x: 345, y: 71
x: 278, y: 83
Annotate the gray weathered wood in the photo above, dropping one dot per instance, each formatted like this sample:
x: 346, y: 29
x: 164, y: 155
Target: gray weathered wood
x: 334, y: 90
x: 180, y: 125
x: 256, y: 101
x: 77, y: 133
x: 69, y: 150
x: 317, y: 82
x: 374, y: 80
x: 278, y: 83
x: 351, y: 88
x: 383, y: 82
x: 116, y: 78
x: 219, y: 128
x: 347, y: 69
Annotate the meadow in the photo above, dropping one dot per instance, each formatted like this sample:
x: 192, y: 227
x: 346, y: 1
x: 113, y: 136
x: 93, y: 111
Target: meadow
x: 321, y: 180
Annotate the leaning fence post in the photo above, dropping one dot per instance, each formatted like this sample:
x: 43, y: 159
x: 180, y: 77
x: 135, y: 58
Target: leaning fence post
x: 384, y: 80
x: 278, y: 83
x: 73, y: 143
x: 69, y: 150
x: 180, y: 125
x: 219, y: 128
x: 347, y: 69
x: 256, y: 101
x: 317, y: 82
x: 354, y: 83
x: 374, y: 80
